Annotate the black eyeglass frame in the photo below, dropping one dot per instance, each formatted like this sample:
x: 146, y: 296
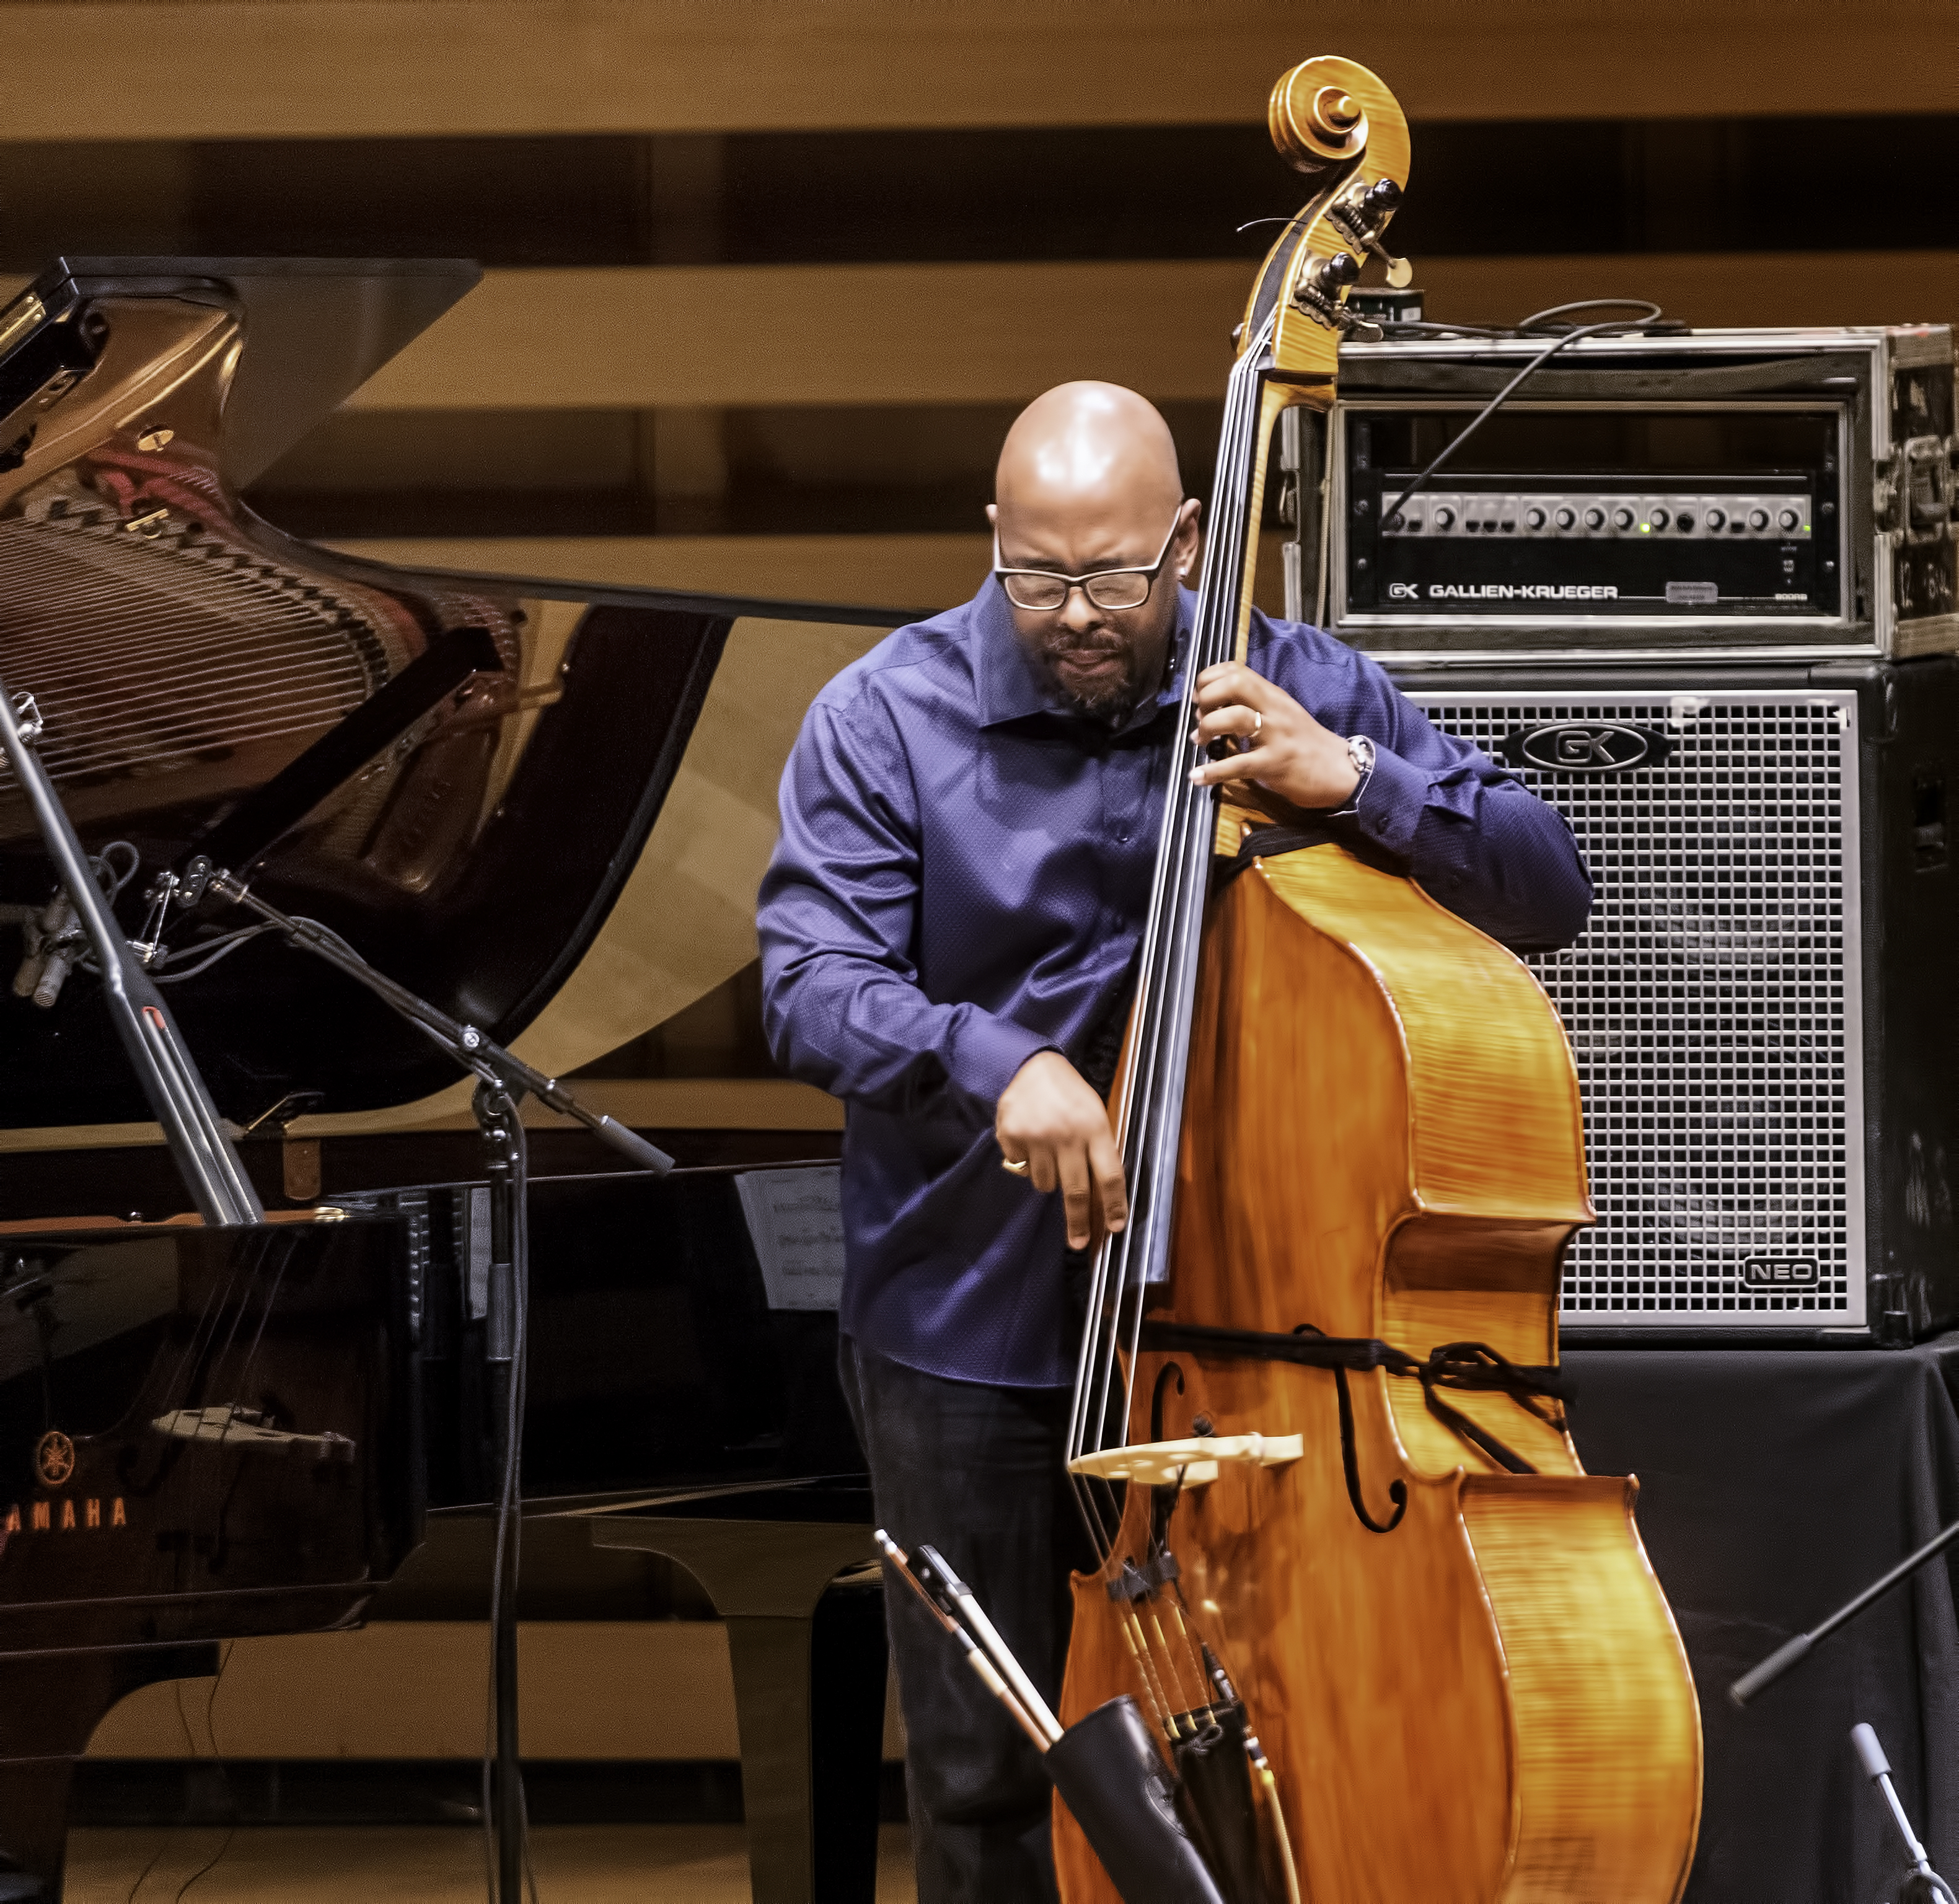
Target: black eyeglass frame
x: 1086, y: 582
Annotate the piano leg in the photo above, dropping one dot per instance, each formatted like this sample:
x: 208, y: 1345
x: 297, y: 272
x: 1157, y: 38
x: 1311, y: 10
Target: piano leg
x: 809, y: 1663
x: 50, y: 1705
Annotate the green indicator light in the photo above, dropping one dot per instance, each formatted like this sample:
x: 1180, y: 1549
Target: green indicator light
x: 1646, y: 529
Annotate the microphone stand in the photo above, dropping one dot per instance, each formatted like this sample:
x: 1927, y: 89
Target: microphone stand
x: 503, y: 1080
x: 1924, y: 1883
x: 155, y: 1048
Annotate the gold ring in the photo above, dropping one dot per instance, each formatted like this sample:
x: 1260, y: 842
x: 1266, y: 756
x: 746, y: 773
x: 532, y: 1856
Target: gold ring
x: 1258, y: 723
x: 1017, y: 1169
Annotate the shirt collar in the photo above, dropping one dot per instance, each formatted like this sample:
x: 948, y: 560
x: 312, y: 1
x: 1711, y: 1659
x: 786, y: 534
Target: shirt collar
x: 1009, y: 689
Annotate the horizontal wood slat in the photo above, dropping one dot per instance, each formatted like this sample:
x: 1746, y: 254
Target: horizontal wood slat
x: 908, y: 572
x: 760, y: 335
x: 734, y: 335
x: 284, y: 69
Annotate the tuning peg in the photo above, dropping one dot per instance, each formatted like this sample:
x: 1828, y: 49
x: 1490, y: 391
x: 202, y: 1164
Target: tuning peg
x: 1333, y: 275
x: 1401, y: 273
x: 1361, y: 216
x: 1362, y: 330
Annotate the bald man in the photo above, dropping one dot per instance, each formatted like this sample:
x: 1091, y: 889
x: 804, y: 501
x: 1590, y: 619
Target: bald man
x: 948, y: 930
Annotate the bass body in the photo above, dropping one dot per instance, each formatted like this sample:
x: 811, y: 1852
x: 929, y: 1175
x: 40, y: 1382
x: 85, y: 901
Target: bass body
x: 1486, y: 1698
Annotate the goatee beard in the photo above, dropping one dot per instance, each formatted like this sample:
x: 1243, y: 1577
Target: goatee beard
x: 1109, y: 703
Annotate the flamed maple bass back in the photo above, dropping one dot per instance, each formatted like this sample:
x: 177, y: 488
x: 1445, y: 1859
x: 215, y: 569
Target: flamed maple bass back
x: 1394, y: 1640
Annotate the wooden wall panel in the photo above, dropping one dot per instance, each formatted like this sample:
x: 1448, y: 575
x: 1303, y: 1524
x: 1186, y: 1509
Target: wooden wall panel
x: 754, y: 334
x: 215, y: 68
x: 911, y: 571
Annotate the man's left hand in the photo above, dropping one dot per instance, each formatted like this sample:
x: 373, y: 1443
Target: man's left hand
x: 1282, y: 747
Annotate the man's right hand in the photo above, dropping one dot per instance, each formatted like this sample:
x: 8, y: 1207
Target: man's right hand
x: 1049, y: 1118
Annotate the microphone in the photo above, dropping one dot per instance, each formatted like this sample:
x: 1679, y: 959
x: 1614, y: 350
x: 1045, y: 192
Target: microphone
x: 53, y: 940
x: 630, y: 1143
x: 1877, y: 1770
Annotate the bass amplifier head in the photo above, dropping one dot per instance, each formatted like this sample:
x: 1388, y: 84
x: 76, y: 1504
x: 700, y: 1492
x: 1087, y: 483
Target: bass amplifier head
x: 1775, y: 492
x: 1756, y: 1007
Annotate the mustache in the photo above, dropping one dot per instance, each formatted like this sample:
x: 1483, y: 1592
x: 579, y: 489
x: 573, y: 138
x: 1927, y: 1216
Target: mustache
x: 1057, y: 646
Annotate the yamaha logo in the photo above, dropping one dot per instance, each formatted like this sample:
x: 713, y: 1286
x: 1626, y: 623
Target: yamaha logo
x: 1586, y: 747
x: 54, y: 1458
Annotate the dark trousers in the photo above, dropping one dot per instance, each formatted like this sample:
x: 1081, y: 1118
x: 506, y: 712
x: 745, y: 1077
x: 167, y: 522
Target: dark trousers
x: 977, y: 1472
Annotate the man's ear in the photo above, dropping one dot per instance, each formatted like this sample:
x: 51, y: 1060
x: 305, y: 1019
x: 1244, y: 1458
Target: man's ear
x: 1188, y: 540
x: 993, y: 514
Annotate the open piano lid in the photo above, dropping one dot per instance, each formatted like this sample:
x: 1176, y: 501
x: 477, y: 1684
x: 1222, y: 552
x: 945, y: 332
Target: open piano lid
x: 461, y: 774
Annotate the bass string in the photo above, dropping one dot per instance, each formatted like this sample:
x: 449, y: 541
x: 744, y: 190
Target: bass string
x: 1172, y: 994
x: 1176, y: 913
x: 1171, y: 895
x: 1089, y: 1427
x: 1112, y: 1258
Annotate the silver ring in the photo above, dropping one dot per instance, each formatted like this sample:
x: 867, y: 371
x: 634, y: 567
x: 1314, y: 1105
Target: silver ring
x: 1014, y: 1169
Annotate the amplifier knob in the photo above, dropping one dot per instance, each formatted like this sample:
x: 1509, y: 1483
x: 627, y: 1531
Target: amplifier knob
x: 1683, y: 521
x: 1565, y: 517
x: 1716, y: 518
x: 1788, y: 518
x: 1534, y: 518
x: 1595, y: 518
x: 1659, y: 519
x: 1444, y: 517
x: 1758, y: 519
x: 1622, y: 519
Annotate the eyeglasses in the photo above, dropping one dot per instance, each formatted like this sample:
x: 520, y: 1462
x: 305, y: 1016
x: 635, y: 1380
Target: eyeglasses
x: 1043, y: 590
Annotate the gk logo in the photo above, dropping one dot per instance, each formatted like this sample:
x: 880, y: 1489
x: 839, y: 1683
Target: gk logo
x: 1401, y: 592
x: 1585, y: 747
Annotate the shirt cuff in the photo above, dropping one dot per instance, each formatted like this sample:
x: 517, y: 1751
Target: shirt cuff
x: 989, y: 1051
x: 1387, y: 806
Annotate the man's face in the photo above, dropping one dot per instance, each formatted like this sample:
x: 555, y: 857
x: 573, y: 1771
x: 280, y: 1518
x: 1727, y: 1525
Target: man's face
x: 1102, y: 662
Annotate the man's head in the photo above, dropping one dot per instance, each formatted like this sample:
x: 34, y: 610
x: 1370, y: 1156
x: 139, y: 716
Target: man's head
x: 1088, y: 482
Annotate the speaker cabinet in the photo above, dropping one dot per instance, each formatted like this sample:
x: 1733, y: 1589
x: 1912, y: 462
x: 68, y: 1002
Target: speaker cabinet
x: 1759, y: 1007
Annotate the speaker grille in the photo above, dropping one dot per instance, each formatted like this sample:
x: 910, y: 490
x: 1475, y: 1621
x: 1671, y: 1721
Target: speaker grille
x: 1712, y: 1003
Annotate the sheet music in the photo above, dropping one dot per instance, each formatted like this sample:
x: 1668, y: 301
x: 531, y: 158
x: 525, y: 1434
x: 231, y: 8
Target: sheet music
x: 795, y: 1221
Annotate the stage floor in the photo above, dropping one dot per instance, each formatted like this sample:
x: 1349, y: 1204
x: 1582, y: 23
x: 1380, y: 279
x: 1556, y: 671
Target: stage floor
x: 574, y: 1865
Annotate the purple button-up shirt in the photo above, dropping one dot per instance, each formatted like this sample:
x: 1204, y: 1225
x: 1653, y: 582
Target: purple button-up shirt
x: 961, y: 882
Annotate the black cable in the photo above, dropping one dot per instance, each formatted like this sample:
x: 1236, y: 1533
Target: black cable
x: 224, y: 1773
x: 143, y: 1875
x: 509, y: 1522
x: 1613, y: 326
x: 213, y: 949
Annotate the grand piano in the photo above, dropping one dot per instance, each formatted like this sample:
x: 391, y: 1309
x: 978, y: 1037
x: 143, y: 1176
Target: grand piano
x: 544, y: 808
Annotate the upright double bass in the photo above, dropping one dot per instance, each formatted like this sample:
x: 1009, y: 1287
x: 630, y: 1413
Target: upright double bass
x: 1396, y: 1641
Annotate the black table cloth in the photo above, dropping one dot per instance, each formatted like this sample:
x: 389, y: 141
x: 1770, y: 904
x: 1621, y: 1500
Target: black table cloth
x: 1775, y: 1483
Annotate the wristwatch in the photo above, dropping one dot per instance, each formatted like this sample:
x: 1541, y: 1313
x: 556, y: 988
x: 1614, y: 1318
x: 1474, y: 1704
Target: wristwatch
x: 1360, y: 752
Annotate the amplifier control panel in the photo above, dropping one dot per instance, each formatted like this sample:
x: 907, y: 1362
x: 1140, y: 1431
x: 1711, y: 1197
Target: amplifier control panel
x: 1767, y: 515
